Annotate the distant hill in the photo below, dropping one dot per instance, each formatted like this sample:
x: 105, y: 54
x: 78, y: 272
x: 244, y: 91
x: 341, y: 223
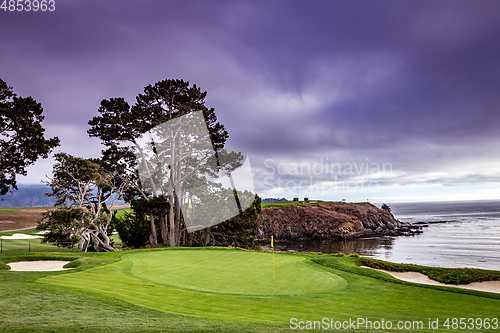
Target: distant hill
x: 27, y: 196
x: 31, y: 196
x: 274, y: 200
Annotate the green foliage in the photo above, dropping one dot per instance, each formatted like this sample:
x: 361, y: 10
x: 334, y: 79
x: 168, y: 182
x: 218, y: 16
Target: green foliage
x: 340, y: 254
x: 61, y: 224
x: 4, y: 266
x: 22, y: 139
x: 355, y: 255
x: 119, y: 123
x: 86, y: 184
x: 75, y: 180
x: 240, y: 231
x: 133, y: 228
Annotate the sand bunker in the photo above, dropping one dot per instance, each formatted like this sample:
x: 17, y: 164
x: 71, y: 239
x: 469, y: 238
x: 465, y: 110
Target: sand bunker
x: 20, y: 236
x: 38, y: 266
x: 416, y: 277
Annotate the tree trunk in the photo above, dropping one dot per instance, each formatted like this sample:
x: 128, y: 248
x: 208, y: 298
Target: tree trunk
x: 100, y: 246
x: 152, y: 237
x: 204, y: 236
x: 177, y: 219
x: 207, y: 236
x: 183, y: 241
x: 171, y: 221
x: 83, y: 244
x: 164, y: 229
x: 178, y: 195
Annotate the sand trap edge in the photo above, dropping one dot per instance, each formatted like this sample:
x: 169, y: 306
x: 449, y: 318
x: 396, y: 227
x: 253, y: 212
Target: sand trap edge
x: 417, y: 277
x: 38, y: 266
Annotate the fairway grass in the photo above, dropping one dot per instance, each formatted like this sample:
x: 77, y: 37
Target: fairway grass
x: 29, y: 306
x: 237, y: 286
x: 29, y: 245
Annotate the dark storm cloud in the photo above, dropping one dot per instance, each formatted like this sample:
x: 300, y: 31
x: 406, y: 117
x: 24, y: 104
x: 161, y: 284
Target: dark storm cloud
x: 414, y: 83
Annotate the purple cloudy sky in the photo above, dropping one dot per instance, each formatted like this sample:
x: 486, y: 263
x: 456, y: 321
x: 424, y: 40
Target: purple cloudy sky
x: 414, y: 85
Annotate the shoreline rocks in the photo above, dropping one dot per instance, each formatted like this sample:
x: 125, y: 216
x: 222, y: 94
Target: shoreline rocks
x: 329, y: 221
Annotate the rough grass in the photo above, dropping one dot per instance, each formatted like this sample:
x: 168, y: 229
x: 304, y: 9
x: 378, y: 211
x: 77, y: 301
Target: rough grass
x: 443, y: 275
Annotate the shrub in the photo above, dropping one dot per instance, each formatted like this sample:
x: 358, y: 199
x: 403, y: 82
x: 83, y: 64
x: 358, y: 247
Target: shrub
x: 258, y: 248
x: 61, y: 224
x: 387, y: 208
x: 133, y: 229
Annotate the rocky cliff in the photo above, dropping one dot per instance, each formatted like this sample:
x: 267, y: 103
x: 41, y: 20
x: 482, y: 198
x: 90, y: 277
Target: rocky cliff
x: 327, y: 221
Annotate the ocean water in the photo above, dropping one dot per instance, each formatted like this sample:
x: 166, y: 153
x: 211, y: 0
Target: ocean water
x: 458, y: 234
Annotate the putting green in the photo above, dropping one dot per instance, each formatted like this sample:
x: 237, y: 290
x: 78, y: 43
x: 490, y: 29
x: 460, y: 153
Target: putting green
x: 234, y: 285
x: 233, y: 272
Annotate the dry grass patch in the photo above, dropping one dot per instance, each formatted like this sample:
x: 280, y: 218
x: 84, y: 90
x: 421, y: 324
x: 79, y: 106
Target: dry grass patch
x: 18, y: 219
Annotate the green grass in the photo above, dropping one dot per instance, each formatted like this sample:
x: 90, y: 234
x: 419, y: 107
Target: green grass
x: 29, y: 306
x: 27, y: 232
x: 219, y: 271
x: 236, y: 286
x: 122, y: 211
x: 216, y: 290
x: 29, y: 245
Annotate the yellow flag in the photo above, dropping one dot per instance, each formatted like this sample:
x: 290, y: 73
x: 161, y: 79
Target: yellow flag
x: 272, y: 241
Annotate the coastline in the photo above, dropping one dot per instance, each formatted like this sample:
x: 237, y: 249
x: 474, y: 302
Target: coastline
x: 329, y: 221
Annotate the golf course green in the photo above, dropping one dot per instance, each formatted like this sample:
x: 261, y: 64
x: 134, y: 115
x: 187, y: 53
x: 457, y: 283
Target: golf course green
x: 220, y: 272
x: 237, y: 286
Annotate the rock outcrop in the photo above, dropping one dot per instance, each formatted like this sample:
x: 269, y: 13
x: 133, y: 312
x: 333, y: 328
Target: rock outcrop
x: 327, y: 221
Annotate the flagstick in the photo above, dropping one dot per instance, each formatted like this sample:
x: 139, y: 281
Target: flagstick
x: 274, y: 272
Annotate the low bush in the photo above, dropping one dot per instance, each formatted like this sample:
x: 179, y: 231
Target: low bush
x: 133, y: 229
